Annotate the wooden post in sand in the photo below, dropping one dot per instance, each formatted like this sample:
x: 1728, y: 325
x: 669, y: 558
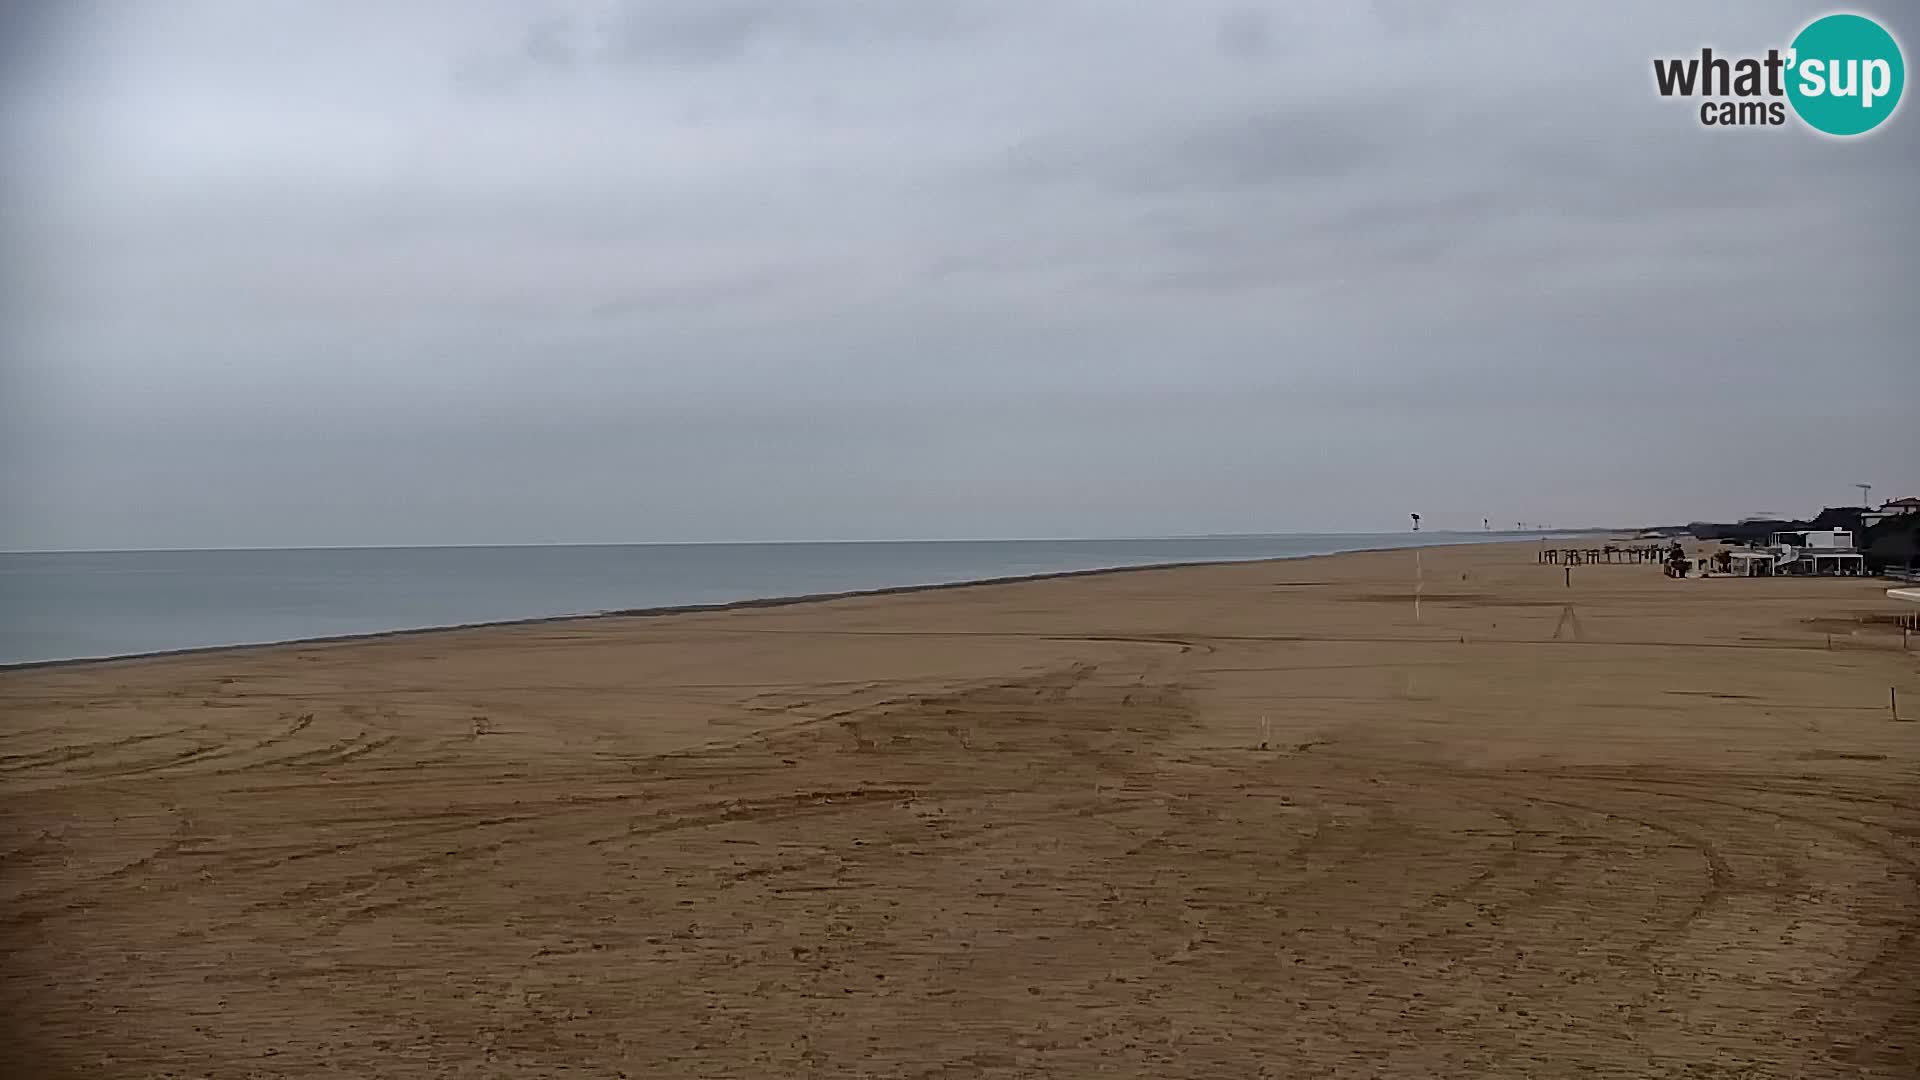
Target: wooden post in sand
x: 1569, y: 577
x: 1419, y: 583
x: 1893, y: 703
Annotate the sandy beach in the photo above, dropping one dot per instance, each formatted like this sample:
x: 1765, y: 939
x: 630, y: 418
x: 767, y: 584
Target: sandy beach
x: 1226, y: 821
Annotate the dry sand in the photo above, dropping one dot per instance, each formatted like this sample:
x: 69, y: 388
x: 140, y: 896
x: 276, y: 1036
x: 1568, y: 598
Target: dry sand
x: 1013, y: 830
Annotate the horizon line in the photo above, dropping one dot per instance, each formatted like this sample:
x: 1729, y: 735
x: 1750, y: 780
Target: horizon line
x: 774, y: 543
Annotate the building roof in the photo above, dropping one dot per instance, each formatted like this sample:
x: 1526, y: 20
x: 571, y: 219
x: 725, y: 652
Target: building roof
x: 1901, y: 504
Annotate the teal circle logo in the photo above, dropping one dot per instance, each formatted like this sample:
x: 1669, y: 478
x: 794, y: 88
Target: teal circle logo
x: 1845, y: 74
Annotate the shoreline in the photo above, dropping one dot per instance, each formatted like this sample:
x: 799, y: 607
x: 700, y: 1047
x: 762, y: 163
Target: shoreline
x: 746, y: 604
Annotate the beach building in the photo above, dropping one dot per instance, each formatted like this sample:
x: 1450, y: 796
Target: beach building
x: 1822, y: 552
x: 1892, y: 508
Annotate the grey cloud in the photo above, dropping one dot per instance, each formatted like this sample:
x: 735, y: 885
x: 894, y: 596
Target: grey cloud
x: 1253, y: 150
x: 1246, y: 34
x: 707, y: 31
x: 704, y: 294
x: 652, y: 34
x: 25, y: 29
x: 549, y: 43
x: 701, y: 32
x: 1414, y: 16
x: 1274, y: 147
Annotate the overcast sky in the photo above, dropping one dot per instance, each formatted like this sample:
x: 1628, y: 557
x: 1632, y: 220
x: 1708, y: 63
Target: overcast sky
x: 485, y: 272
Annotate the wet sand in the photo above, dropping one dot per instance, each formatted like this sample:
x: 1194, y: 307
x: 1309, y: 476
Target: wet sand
x: 1010, y: 830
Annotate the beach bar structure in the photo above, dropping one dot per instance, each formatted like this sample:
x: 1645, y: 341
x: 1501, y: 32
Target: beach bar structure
x: 1757, y: 562
x: 1823, y: 552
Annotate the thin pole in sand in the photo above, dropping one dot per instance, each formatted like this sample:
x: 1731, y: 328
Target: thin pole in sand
x: 1893, y: 702
x: 1419, y: 583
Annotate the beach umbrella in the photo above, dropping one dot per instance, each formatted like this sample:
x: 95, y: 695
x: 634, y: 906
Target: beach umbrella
x: 1416, y: 522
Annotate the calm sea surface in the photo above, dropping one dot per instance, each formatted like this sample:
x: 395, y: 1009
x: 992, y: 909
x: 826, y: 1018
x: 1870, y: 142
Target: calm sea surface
x: 66, y: 605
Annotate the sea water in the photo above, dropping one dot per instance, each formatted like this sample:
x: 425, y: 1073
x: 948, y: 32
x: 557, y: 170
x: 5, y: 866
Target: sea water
x: 69, y: 605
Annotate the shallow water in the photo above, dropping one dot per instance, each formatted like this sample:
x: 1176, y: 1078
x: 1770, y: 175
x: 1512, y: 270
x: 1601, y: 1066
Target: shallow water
x: 66, y: 605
